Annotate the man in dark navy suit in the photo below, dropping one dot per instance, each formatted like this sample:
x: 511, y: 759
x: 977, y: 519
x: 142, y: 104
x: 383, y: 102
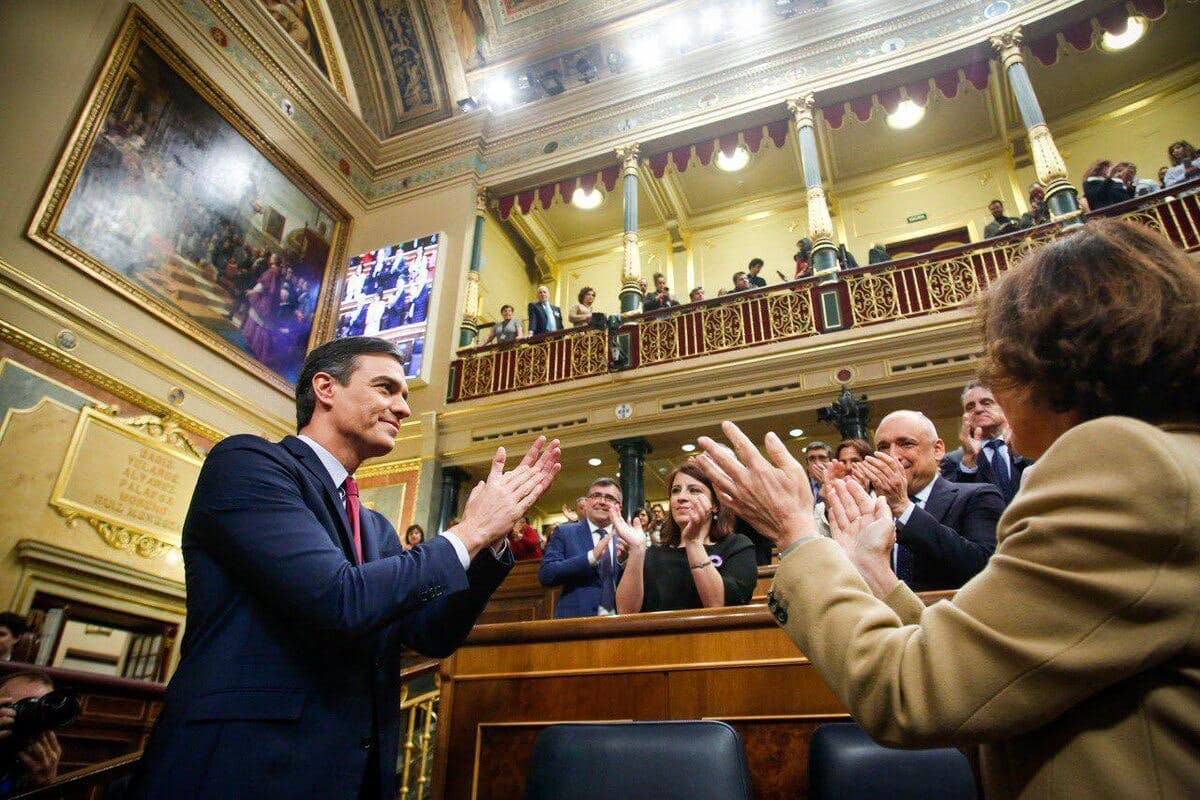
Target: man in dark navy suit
x: 584, y: 557
x: 945, y: 531
x: 299, y: 600
x: 985, y: 456
x: 543, y: 316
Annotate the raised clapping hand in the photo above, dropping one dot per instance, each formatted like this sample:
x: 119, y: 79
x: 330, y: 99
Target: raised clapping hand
x: 888, y: 480
x: 696, y: 513
x: 497, y: 503
x: 773, y: 496
x: 863, y: 526
x: 632, y: 537
x: 971, y: 440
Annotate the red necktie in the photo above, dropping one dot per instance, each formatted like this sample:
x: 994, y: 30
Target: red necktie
x: 352, y: 512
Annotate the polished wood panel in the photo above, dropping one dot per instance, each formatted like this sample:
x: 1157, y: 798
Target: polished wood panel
x: 735, y: 664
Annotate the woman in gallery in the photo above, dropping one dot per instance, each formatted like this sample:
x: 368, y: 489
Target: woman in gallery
x: 581, y: 312
x: 1073, y: 658
x: 507, y: 329
x: 701, y: 563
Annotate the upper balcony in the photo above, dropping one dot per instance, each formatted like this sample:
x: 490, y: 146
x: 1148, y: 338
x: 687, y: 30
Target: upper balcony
x: 874, y: 295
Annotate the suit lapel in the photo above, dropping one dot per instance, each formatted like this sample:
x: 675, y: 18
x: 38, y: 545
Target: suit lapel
x: 940, y: 498
x: 333, y: 501
x: 370, y: 537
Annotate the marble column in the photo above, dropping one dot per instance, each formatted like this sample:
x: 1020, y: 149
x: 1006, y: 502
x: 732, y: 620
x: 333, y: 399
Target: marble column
x: 631, y: 268
x: 631, y: 453
x: 1061, y: 196
x: 471, y: 309
x: 820, y: 226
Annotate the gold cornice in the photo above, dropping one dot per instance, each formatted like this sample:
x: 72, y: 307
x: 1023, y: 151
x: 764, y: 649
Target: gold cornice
x: 143, y: 353
x: 68, y: 363
x: 387, y: 468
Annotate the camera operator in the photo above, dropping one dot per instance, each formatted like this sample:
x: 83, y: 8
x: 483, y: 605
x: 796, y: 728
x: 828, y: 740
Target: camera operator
x: 35, y: 763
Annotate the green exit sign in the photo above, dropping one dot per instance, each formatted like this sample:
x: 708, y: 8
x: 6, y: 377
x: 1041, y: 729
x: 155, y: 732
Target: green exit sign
x: 918, y: 217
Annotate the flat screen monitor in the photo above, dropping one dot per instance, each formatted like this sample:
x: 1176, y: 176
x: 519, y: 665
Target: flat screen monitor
x: 387, y: 293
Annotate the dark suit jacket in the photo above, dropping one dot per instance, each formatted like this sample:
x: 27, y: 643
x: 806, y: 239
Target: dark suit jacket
x: 565, y: 563
x: 952, y: 470
x: 537, y: 318
x: 290, y: 660
x: 953, y: 536
x: 420, y: 307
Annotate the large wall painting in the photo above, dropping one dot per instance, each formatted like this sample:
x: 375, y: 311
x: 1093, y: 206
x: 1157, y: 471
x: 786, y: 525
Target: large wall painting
x: 167, y: 193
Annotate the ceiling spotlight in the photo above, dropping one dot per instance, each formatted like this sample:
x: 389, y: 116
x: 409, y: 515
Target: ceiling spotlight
x: 906, y: 115
x: 785, y: 8
x: 468, y: 104
x: 616, y: 61
x: 796, y: 433
x: 678, y: 32
x: 585, y: 199
x: 586, y: 69
x: 747, y: 19
x: 551, y: 82
x: 710, y: 20
x: 687, y: 448
x: 500, y: 91
x: 594, y: 462
x: 662, y: 470
x: 1134, y: 29
x: 738, y: 159
x: 644, y: 53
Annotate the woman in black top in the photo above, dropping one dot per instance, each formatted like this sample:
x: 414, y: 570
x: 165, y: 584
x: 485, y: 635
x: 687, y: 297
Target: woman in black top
x: 701, y: 563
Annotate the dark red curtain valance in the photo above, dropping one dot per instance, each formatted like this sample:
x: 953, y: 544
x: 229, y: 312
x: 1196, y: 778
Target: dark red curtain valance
x: 544, y: 195
x: 1082, y: 35
x: 705, y: 151
x: 947, y: 83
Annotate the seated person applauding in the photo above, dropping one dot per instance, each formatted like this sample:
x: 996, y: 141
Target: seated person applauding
x: 1073, y: 658
x: 701, y: 564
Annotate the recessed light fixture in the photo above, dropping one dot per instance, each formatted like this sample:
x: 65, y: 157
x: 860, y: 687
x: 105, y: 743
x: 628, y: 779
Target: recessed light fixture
x: 1134, y: 30
x: 594, y: 462
x: 585, y: 199
x: 710, y: 20
x: 500, y: 91
x: 687, y: 448
x: 738, y: 159
x: 662, y: 470
x: 906, y: 115
x: 747, y: 19
x: 796, y: 433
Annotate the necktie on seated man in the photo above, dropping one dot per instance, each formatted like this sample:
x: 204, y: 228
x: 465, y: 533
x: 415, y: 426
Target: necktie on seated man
x: 1000, y: 466
x: 903, y: 564
x: 608, y: 579
x: 352, y: 508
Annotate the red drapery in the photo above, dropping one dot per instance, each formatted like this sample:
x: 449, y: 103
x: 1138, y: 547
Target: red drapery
x: 705, y: 151
x: 1082, y: 36
x: 946, y: 82
x: 544, y: 195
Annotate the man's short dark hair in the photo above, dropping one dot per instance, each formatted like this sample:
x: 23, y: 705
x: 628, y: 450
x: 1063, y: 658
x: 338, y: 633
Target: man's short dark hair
x: 972, y: 384
x: 337, y: 358
x: 755, y: 262
x: 31, y: 675
x: 817, y: 444
x: 736, y: 274
x: 606, y: 482
x: 506, y: 305
x: 14, y: 622
x: 1001, y: 202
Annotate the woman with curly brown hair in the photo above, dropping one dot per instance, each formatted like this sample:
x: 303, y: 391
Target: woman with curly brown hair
x: 701, y: 563
x: 1073, y: 658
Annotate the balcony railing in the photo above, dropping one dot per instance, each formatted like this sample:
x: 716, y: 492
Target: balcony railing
x: 904, y: 288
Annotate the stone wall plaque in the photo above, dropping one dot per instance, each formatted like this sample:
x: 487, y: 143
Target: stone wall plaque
x: 131, y: 479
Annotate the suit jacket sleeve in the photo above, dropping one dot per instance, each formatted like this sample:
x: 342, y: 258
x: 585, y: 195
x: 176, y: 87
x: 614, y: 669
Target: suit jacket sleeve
x: 962, y: 553
x: 251, y: 515
x: 557, y: 567
x: 436, y: 629
x: 534, y: 313
x: 1096, y: 579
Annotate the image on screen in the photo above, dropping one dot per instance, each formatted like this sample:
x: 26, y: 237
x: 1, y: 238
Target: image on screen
x: 387, y: 295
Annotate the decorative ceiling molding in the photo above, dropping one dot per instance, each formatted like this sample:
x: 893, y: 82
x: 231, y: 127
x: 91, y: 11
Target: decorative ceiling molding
x: 690, y: 92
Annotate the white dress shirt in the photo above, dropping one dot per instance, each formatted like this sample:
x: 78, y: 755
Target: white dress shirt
x: 337, y: 471
x: 612, y: 543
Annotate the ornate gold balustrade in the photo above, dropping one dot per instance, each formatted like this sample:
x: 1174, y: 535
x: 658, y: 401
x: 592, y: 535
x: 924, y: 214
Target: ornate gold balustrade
x: 418, y: 729
x: 900, y: 289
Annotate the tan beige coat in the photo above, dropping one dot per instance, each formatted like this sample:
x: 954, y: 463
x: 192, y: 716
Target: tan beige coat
x: 1073, y: 658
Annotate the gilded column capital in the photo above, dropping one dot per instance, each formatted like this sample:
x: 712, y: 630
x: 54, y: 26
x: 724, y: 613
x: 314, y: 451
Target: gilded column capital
x: 481, y: 202
x: 471, y: 300
x: 801, y: 109
x: 629, y: 158
x: 820, y: 226
x: 1008, y: 45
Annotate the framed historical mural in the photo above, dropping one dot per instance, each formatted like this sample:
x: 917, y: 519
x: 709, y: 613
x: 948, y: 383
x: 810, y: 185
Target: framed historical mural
x: 387, y: 293
x: 167, y: 193
x: 305, y: 24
